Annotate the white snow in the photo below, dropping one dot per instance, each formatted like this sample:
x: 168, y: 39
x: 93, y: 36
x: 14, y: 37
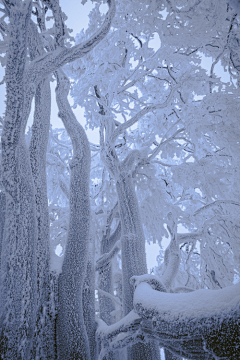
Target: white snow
x: 197, y: 304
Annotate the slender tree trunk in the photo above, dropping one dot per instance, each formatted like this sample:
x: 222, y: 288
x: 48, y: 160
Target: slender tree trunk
x: 132, y: 238
x: 106, y: 304
x: 133, y: 257
x: 105, y: 281
x: 18, y: 260
x: 2, y: 219
x: 170, y: 356
x: 43, y: 346
x: 71, y: 332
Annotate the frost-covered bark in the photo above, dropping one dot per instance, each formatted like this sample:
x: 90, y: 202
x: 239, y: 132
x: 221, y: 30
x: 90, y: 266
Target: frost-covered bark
x: 2, y: 219
x: 171, y: 257
x: 43, y: 345
x: 105, y: 273
x: 105, y: 281
x: 50, y: 62
x: 89, y: 299
x: 18, y: 268
x: 170, y: 356
x: 71, y: 332
x: 202, y: 324
x: 132, y: 239
x: 43, y: 341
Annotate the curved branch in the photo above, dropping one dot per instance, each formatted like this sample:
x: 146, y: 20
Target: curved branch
x: 121, y: 128
x: 158, y: 148
x: 217, y: 202
x: 105, y: 259
x: 52, y: 61
x: 110, y: 296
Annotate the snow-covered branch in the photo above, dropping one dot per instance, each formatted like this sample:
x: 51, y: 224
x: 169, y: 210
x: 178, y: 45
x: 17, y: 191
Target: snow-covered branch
x: 54, y: 60
x: 121, y: 128
x: 105, y: 259
x: 188, y: 324
x: 158, y: 148
x: 217, y: 202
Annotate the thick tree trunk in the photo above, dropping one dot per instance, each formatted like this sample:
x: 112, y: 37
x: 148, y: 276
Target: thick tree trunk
x: 18, y: 268
x: 71, y: 332
x: 132, y: 236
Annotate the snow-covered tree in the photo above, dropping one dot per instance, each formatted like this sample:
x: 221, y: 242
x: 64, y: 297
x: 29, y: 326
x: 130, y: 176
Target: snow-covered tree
x: 166, y: 166
x: 25, y: 298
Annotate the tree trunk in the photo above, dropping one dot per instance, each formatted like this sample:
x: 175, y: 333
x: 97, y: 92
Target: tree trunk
x: 132, y: 238
x: 133, y: 257
x: 2, y: 219
x: 43, y: 346
x: 18, y: 268
x: 89, y: 300
x: 106, y: 304
x: 71, y: 332
x: 170, y: 356
x: 105, y: 281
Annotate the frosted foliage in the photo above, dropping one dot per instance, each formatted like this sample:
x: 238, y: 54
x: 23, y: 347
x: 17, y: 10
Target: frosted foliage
x: 159, y: 81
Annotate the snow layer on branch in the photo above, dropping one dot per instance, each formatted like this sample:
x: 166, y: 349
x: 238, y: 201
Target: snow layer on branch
x: 104, y: 329
x: 185, y: 306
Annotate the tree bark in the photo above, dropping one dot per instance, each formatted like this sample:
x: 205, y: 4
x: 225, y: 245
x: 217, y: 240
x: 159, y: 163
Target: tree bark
x: 72, y: 337
x: 108, y: 241
x: 132, y: 238
x: 2, y: 219
x: 44, y: 332
x: 89, y: 306
x: 43, y: 345
x: 170, y: 356
x: 18, y: 268
x: 133, y: 257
